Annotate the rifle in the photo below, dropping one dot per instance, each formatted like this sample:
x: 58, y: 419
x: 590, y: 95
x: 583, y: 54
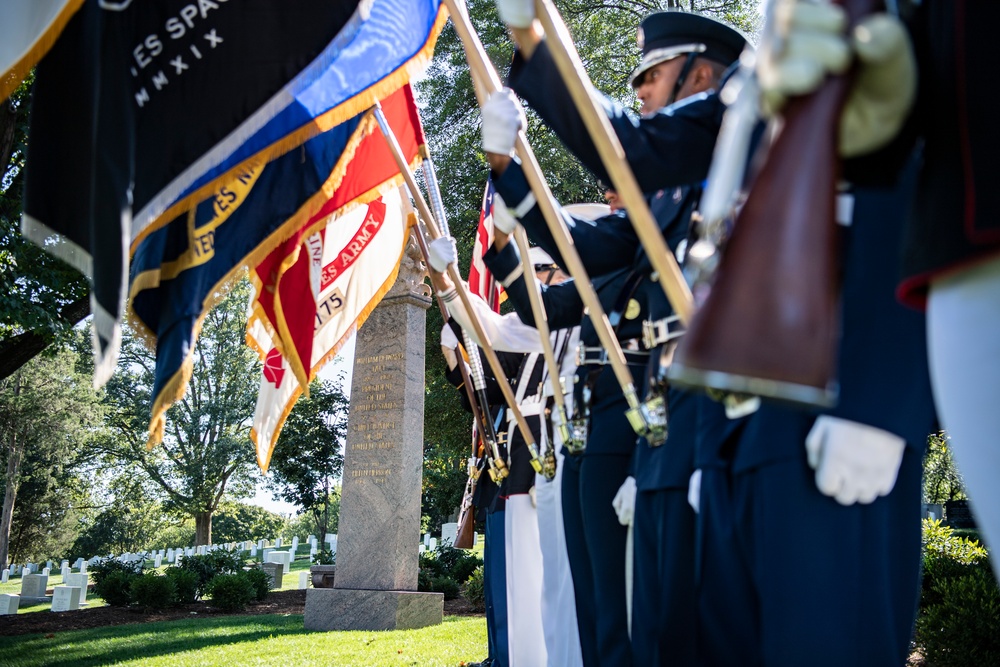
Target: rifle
x: 769, y: 325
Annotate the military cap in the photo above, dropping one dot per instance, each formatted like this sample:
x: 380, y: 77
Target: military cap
x: 665, y: 35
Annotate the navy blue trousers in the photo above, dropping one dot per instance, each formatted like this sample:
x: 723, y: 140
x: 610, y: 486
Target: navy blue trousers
x: 664, y: 622
x: 495, y: 589
x: 579, y: 560
x: 789, y: 577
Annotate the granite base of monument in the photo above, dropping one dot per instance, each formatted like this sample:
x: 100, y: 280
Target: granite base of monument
x: 348, y: 609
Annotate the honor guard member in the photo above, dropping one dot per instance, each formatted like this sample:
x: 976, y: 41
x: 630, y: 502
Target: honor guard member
x: 684, y: 59
x: 508, y: 333
x: 490, y: 508
x: 951, y: 247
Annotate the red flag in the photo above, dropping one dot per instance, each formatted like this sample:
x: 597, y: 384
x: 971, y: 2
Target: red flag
x: 290, y: 279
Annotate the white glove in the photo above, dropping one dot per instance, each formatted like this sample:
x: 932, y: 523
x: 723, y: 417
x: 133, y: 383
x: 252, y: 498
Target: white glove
x: 854, y: 463
x: 516, y: 13
x: 503, y: 118
x: 694, y: 491
x: 448, y: 337
x: 441, y: 252
x: 502, y: 219
x: 624, y: 502
x: 815, y: 45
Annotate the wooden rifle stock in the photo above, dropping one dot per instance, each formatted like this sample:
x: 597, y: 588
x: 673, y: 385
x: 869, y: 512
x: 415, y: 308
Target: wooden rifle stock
x: 466, y: 518
x: 770, y: 324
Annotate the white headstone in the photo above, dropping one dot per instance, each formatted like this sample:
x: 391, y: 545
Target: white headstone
x: 277, y: 543
x: 261, y: 543
x: 65, y: 598
x: 304, y: 579
x: 433, y: 544
x: 295, y: 544
x: 333, y: 543
x: 283, y: 557
x: 422, y: 548
x: 48, y: 564
x: 30, y: 568
x: 63, y: 564
x: 158, y: 561
x: 83, y: 567
x: 449, y: 531
x: 4, y: 576
x: 78, y: 564
x: 475, y: 539
x: 34, y: 585
x: 9, y: 603
x: 253, y: 551
x: 46, y: 571
x: 427, y: 539
x: 81, y: 581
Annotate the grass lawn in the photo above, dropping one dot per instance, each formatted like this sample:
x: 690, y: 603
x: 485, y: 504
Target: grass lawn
x: 249, y: 640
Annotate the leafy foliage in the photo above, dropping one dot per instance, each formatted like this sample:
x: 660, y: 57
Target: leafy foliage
x: 260, y: 581
x: 105, y: 567
x: 212, y: 564
x: 959, y: 601
x: 309, y: 455
x: 205, y: 451
x: 153, y: 591
x: 48, y: 412
x: 185, y: 584
x: 236, y: 522
x: 231, y: 592
x: 942, y: 480
x: 475, y: 589
x: 116, y: 587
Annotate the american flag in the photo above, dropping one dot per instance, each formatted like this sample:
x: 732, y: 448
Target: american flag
x: 481, y: 280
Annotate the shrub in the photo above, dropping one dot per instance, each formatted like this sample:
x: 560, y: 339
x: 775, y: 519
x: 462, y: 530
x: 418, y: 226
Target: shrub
x: 115, y: 586
x: 446, y: 585
x: 185, y: 584
x: 425, y: 583
x: 447, y: 561
x: 231, y: 592
x: 153, y: 591
x: 475, y: 590
x: 212, y: 564
x: 261, y: 583
x: 105, y: 566
x: 959, y: 627
x: 325, y: 557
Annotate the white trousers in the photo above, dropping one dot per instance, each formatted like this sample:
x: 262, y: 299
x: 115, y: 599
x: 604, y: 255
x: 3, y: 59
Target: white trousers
x: 963, y: 339
x: 562, y: 637
x: 525, y: 637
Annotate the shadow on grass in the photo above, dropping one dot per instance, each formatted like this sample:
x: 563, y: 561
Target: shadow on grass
x: 87, y: 648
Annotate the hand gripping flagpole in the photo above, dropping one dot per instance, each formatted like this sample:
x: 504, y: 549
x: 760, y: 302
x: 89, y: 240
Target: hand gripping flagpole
x: 480, y: 405
x: 486, y: 81
x: 434, y: 231
x: 537, y: 309
x: 610, y: 149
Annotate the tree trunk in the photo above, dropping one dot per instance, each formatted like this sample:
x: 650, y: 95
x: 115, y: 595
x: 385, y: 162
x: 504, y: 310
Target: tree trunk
x: 203, y: 528
x: 8, y: 124
x: 15, y: 450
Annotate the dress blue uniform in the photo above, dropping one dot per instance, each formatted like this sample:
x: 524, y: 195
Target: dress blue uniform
x: 595, y: 539
x: 670, y: 153
x: 787, y: 575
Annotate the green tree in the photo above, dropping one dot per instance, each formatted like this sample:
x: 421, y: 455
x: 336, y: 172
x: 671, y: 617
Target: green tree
x: 47, y: 413
x: 942, y: 480
x: 309, y: 456
x: 129, y: 522
x: 236, y: 522
x: 206, y: 450
x: 41, y: 297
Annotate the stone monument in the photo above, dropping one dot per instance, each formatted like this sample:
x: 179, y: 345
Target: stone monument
x: 376, y: 583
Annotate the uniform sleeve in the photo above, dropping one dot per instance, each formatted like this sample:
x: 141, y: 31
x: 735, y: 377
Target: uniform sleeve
x: 563, y: 305
x: 506, y: 332
x: 604, y: 245
x: 670, y: 148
